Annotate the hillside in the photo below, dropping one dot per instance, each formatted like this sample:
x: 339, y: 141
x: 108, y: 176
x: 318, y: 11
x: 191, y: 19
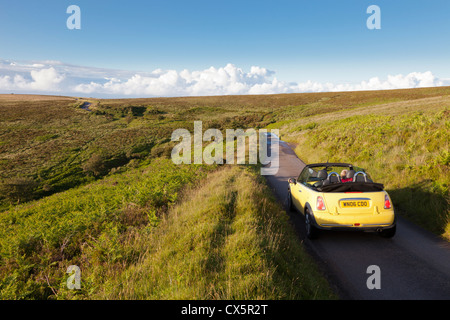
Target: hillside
x: 50, y: 144
x: 96, y: 188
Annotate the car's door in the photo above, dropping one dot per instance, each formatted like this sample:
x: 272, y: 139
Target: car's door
x: 298, y: 190
x: 303, y: 190
x: 295, y: 195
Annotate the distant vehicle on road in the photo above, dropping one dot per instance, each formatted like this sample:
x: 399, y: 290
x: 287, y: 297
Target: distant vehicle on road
x: 329, y: 202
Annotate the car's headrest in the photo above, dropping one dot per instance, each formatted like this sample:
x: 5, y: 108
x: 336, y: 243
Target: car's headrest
x: 322, y: 174
x: 351, y: 174
x: 334, y: 179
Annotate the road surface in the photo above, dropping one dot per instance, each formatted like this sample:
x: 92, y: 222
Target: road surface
x: 413, y: 265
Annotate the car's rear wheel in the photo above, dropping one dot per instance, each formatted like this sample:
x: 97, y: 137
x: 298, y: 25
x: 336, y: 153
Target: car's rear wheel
x: 311, y: 231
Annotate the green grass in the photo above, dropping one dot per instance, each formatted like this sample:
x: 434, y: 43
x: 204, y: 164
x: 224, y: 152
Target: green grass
x: 228, y: 239
x: 145, y: 234
x: 49, y: 140
x: 89, y: 226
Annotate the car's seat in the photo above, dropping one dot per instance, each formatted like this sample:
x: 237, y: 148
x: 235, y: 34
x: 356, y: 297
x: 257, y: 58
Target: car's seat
x: 350, y: 174
x: 333, y: 177
x: 322, y: 175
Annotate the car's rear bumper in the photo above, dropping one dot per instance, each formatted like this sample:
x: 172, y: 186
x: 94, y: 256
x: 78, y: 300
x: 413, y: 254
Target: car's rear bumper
x: 368, y: 224
x: 355, y: 228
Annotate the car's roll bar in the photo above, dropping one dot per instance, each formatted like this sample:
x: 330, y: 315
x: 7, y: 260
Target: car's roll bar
x: 334, y: 173
x: 360, y: 172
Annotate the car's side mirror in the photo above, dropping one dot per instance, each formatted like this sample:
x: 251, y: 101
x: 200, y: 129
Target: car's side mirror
x: 292, y: 180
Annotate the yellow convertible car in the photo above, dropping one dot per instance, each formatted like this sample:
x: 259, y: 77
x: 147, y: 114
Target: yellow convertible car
x: 340, y: 196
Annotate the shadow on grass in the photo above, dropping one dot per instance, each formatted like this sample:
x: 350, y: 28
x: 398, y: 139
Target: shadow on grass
x: 215, y: 262
x: 424, y: 205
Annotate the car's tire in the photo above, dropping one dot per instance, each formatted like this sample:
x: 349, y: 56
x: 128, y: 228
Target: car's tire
x: 389, y: 233
x: 311, y: 231
x: 289, y: 204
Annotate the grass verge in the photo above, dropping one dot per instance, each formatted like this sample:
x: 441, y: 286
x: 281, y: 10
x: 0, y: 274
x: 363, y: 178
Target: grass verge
x: 229, y: 239
x: 133, y: 239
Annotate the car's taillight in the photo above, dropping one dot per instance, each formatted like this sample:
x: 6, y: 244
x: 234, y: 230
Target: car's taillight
x: 387, y: 202
x: 320, y: 205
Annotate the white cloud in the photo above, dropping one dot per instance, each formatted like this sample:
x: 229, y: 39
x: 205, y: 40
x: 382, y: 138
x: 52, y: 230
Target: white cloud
x: 45, y: 79
x: 40, y: 80
x: 233, y: 80
x: 55, y: 76
x: 211, y: 81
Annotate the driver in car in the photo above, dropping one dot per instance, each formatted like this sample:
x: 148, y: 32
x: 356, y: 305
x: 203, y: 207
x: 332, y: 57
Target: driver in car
x: 344, y: 176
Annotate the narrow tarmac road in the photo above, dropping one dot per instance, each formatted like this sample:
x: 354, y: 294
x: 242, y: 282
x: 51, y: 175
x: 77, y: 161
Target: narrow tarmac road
x: 414, y: 264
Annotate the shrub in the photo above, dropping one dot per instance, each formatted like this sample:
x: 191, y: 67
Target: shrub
x: 18, y: 189
x: 95, y: 165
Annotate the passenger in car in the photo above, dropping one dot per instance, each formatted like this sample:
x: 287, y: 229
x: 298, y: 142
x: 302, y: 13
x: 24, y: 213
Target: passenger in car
x: 344, y: 176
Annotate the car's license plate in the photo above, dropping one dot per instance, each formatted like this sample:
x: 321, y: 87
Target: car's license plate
x: 355, y: 204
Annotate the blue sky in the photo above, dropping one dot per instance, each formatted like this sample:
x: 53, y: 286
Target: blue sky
x: 300, y: 41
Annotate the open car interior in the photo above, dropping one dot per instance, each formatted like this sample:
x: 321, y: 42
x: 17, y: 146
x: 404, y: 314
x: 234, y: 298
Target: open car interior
x: 326, y: 177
